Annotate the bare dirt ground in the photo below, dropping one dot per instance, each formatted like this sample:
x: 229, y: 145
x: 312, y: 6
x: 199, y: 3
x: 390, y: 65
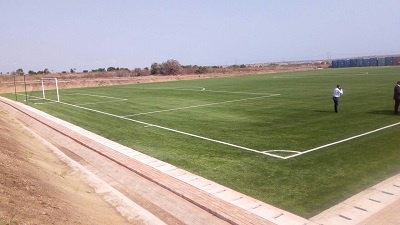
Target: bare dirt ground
x: 37, y: 188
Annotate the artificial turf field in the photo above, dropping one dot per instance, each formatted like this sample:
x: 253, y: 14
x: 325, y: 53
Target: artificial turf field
x: 274, y: 137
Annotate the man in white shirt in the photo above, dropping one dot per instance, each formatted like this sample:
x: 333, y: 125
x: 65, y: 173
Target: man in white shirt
x: 337, y: 92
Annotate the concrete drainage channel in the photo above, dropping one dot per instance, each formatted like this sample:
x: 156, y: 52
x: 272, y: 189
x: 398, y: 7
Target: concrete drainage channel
x: 154, y: 192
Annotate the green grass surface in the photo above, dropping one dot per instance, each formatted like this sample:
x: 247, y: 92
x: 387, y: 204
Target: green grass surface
x: 247, y: 111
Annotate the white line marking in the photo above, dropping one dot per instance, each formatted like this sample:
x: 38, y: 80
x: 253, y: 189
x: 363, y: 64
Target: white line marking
x: 282, y: 151
x: 43, y: 103
x: 318, y: 75
x: 35, y: 98
x: 32, y: 99
x: 196, y: 106
x: 176, y: 131
x: 93, y: 103
x: 100, y: 96
x: 233, y: 145
x: 201, y: 89
x: 238, y: 92
x: 192, y: 88
x: 344, y: 140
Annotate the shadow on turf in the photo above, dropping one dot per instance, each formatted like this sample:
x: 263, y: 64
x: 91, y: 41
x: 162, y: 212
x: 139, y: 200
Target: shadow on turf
x: 382, y: 112
x: 378, y: 112
x: 324, y: 111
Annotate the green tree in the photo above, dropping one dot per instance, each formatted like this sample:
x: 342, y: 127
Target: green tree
x: 109, y: 69
x: 99, y: 70
x: 20, y: 71
x: 141, y: 72
x: 155, y: 68
x: 201, y: 70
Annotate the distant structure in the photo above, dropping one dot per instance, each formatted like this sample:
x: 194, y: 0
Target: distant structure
x: 288, y: 63
x: 393, y: 60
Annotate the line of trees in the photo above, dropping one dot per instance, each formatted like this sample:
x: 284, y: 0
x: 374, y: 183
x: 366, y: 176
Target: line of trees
x: 169, y: 67
x: 173, y: 67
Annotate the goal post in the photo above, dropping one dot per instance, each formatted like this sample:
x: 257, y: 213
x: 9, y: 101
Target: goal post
x: 43, y: 80
x: 43, y: 91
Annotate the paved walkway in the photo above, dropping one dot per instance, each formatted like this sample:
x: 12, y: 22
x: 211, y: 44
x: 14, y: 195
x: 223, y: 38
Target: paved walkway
x: 379, y: 204
x: 388, y: 216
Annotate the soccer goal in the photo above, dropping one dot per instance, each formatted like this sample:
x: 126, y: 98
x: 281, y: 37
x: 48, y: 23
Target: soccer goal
x: 43, y: 91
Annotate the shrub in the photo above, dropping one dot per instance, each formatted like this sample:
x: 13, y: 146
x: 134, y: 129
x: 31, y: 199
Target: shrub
x: 170, y: 67
x: 155, y: 68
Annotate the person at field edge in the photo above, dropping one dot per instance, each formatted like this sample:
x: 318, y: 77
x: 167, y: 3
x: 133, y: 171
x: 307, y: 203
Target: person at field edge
x: 337, y: 92
x: 396, y: 98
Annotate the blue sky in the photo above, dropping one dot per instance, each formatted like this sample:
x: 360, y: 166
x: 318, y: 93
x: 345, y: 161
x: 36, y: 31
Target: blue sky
x: 90, y: 34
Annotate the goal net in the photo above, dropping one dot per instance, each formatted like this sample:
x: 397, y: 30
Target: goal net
x: 43, y: 91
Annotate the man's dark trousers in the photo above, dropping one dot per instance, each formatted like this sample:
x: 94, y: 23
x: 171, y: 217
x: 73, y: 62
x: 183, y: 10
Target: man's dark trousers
x: 336, y: 101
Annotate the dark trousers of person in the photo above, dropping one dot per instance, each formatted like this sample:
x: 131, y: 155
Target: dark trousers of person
x: 336, y: 101
x: 396, y: 106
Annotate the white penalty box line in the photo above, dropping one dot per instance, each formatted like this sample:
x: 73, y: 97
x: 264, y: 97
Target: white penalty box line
x: 200, y: 89
x: 32, y: 99
x: 114, y: 99
x: 203, y: 105
x: 341, y: 141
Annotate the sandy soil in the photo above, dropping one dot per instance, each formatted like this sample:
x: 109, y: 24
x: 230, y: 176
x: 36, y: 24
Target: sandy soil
x: 37, y: 188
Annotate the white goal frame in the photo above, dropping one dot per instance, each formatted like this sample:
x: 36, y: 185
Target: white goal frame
x: 42, y: 80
